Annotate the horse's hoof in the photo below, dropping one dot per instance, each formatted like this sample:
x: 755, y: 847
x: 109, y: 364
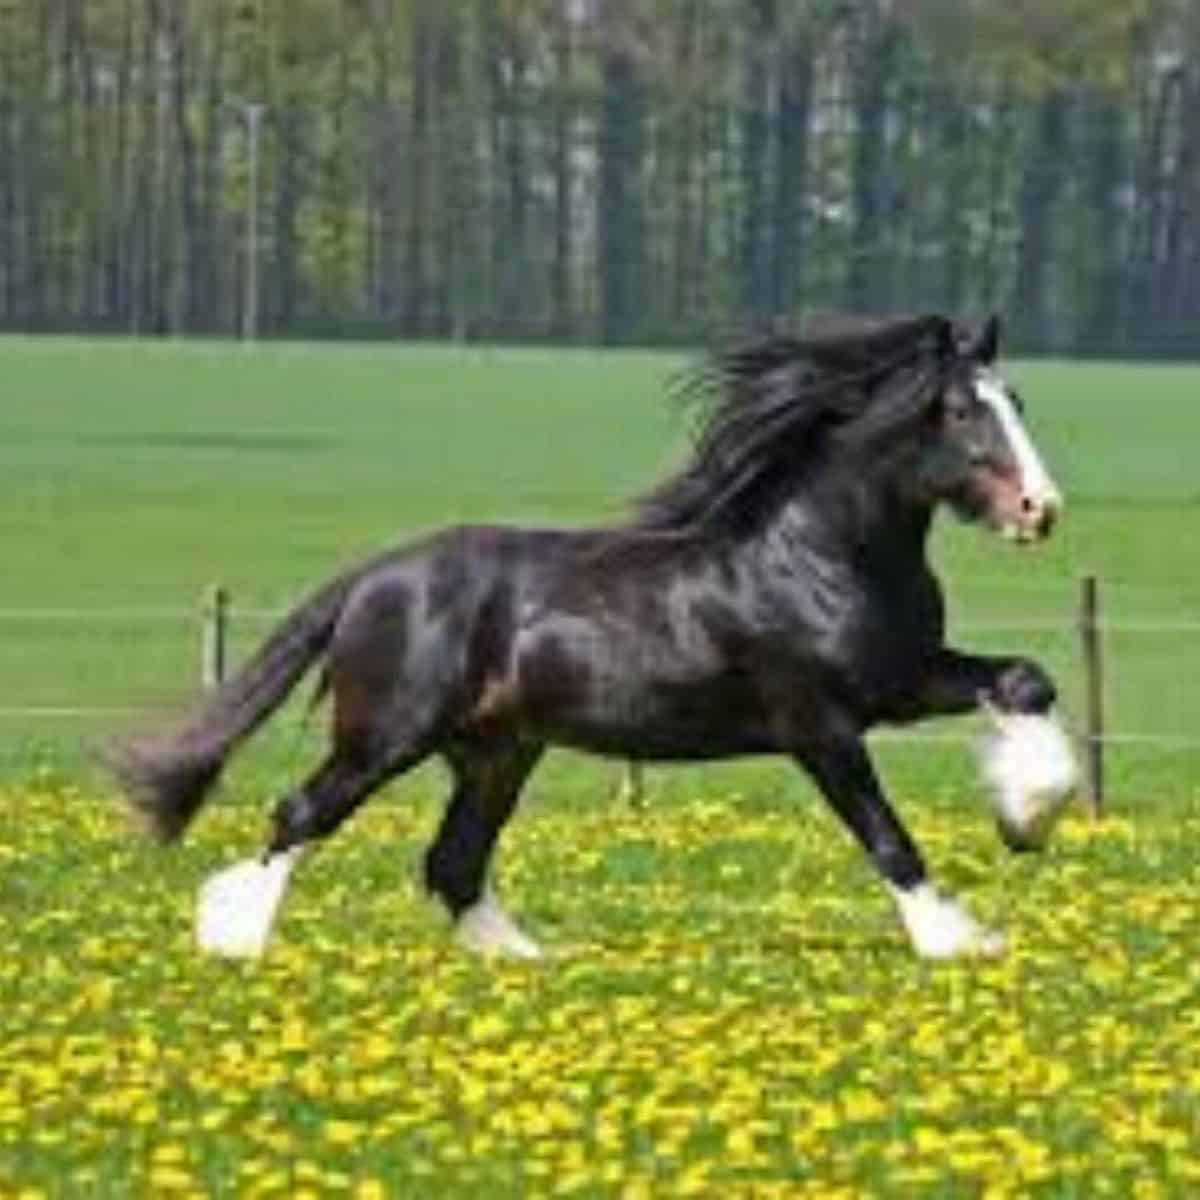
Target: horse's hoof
x: 237, y: 906
x: 486, y: 929
x: 977, y: 942
x: 940, y: 928
x: 1030, y: 769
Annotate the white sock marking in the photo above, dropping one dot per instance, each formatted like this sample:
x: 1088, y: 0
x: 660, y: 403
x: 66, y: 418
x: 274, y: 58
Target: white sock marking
x: 1030, y: 768
x: 941, y: 928
x: 487, y: 929
x: 237, y: 906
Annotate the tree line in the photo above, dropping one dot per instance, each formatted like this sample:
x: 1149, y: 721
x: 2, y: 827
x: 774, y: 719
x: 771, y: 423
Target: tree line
x: 618, y: 171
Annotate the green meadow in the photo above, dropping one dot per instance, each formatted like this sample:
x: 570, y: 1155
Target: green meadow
x: 729, y: 1007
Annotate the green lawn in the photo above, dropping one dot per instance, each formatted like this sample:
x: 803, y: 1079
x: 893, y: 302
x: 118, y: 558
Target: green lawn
x: 731, y: 1010
x: 134, y: 475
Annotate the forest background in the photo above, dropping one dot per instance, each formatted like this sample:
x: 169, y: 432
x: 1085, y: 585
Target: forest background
x: 612, y: 171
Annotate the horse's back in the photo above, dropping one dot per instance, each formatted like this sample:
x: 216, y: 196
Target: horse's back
x: 438, y: 616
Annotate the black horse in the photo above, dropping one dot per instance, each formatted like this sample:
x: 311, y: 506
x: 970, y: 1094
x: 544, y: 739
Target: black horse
x: 774, y: 596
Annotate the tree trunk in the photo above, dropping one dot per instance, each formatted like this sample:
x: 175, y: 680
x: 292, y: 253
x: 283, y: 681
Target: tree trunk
x: 35, y: 202
x: 289, y: 195
x: 207, y: 296
x: 385, y: 173
x: 171, y: 24
x: 792, y: 123
x: 994, y: 254
x: 452, y: 190
x: 755, y: 268
x: 957, y: 164
x: 619, y: 204
x: 562, y: 319
x: 876, y: 61
x: 1099, y: 329
x: 419, y: 153
x: 686, y: 154
x: 1177, y: 320
x: 1041, y: 184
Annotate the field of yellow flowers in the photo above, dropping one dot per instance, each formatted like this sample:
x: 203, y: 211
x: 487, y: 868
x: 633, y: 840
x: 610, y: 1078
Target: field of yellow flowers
x: 730, y: 1009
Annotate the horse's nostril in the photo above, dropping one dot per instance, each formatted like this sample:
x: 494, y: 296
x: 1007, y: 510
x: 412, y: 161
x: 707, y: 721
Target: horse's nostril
x: 1038, y: 514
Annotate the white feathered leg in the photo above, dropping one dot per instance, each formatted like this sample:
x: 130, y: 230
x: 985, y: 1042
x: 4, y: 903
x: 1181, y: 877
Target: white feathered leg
x: 237, y: 906
x: 486, y: 929
x: 941, y: 928
x: 1030, y: 770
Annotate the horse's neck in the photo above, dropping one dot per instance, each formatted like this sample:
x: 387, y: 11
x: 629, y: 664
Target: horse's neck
x: 866, y: 562
x: 866, y: 522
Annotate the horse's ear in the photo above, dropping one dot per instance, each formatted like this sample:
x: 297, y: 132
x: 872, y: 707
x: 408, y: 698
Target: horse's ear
x: 987, y: 342
x: 945, y: 338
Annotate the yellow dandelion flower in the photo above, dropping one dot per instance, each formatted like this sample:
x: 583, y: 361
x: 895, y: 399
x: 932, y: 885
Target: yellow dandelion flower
x: 929, y: 1140
x: 694, y: 1181
x: 343, y: 1133
x: 170, y: 1178
x: 574, y: 1181
x: 859, y: 1104
x: 294, y: 1035
x: 487, y: 1027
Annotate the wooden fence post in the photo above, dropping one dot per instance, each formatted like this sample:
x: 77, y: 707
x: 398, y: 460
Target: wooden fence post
x: 1093, y: 668
x: 632, y: 790
x: 214, y: 642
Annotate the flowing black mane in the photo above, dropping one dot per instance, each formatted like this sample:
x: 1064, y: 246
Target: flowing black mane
x: 771, y: 405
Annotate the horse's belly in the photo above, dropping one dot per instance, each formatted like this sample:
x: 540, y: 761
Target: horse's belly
x: 661, y: 741
x: 636, y: 702
x: 886, y: 683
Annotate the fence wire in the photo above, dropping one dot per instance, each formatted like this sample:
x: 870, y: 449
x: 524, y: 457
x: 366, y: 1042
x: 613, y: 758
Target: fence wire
x: 188, y: 654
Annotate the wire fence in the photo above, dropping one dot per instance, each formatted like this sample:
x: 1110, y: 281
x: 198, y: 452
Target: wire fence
x: 201, y: 641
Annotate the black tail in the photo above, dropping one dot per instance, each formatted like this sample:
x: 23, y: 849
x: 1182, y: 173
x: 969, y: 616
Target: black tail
x: 167, y: 777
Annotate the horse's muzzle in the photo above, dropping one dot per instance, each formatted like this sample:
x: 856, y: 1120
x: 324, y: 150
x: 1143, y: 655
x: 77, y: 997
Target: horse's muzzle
x: 1042, y: 515
x: 1037, y: 517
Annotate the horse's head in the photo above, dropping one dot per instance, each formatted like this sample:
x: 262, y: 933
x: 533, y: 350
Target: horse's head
x: 984, y: 461
x: 908, y: 406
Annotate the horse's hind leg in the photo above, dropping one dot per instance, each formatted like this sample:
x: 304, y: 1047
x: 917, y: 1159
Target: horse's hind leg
x: 387, y: 711
x: 488, y: 777
x: 238, y: 906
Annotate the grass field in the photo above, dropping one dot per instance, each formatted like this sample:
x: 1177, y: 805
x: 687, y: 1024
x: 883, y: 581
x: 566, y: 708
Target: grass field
x: 731, y: 1009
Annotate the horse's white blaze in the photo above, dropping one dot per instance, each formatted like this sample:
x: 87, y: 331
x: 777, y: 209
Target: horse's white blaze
x: 1036, y: 484
x: 237, y: 906
x: 941, y: 928
x: 487, y: 929
x: 1028, y: 762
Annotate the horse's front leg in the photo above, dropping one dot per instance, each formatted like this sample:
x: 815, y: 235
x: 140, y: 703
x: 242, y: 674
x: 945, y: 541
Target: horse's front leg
x: 1027, y: 761
x: 957, y: 683
x: 938, y: 926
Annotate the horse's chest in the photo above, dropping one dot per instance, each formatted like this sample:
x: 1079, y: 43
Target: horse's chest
x: 891, y: 651
x: 881, y: 647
